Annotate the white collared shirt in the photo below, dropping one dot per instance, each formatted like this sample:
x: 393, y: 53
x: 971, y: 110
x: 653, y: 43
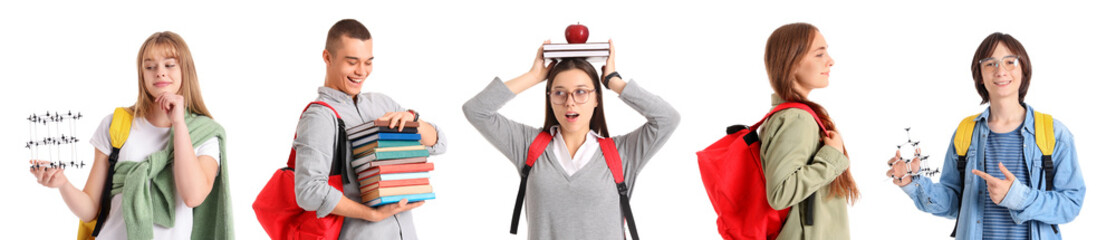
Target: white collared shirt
x: 581, y: 157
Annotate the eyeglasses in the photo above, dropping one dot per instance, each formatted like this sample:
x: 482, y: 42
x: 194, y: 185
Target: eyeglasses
x: 1009, y: 62
x: 580, y: 95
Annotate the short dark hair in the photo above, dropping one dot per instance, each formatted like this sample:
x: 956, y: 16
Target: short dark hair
x: 348, y: 28
x: 597, y: 122
x: 985, y: 51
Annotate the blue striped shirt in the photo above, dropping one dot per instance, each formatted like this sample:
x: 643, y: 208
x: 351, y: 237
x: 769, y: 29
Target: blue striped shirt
x: 1006, y: 148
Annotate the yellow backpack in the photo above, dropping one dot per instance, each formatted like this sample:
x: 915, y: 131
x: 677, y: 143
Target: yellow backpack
x: 118, y: 133
x: 1044, y: 138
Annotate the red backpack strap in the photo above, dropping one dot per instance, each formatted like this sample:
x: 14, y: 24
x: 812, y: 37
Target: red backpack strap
x: 797, y: 105
x: 291, y: 158
x: 612, y: 158
x: 538, y: 146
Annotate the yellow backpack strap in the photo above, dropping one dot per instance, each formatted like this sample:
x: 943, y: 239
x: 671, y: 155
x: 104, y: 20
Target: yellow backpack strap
x: 119, y: 129
x: 1044, y: 133
x: 961, y: 141
x: 1044, y: 137
x: 964, y: 136
x: 121, y: 126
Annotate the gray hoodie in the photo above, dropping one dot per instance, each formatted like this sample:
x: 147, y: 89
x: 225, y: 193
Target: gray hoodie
x: 317, y: 129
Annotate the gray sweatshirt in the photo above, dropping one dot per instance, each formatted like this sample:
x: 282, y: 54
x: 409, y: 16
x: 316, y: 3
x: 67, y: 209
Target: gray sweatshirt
x: 317, y: 129
x: 585, y: 205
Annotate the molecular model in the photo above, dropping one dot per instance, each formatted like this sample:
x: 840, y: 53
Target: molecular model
x: 908, y: 152
x: 53, y: 133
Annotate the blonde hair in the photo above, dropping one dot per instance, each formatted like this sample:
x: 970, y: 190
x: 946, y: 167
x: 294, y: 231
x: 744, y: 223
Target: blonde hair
x: 171, y: 45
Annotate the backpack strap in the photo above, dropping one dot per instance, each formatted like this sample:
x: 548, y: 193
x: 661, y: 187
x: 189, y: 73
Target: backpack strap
x: 119, y: 129
x: 1044, y: 137
x: 338, y: 164
x: 962, y: 139
x: 538, y: 146
x: 612, y: 158
x: 787, y: 105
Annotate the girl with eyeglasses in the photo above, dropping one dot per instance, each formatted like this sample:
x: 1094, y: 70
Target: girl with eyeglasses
x: 570, y: 191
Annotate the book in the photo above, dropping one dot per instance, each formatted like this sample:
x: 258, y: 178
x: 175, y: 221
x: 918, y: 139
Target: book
x: 376, y: 156
x: 379, y: 123
x: 383, y: 144
x: 394, y: 191
x: 575, y: 46
x: 394, y: 183
x: 397, y: 168
x: 360, y: 141
x: 396, y: 149
x: 355, y: 133
x: 397, y: 198
x: 574, y: 54
x: 389, y: 149
x: 367, y: 151
x: 393, y: 176
x: 361, y: 166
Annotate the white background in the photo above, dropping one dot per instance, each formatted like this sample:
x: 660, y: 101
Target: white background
x: 897, y: 65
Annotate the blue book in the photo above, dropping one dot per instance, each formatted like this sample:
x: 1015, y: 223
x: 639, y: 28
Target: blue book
x: 361, y: 141
x: 397, y: 198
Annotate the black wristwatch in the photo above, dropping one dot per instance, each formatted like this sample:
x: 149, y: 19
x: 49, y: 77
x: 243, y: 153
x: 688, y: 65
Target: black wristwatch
x: 609, y: 76
x: 413, y: 113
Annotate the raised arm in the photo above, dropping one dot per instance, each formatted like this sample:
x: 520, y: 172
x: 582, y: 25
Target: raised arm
x: 509, y: 137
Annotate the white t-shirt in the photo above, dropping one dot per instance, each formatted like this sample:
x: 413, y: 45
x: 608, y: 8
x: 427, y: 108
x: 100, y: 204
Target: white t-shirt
x: 143, y: 140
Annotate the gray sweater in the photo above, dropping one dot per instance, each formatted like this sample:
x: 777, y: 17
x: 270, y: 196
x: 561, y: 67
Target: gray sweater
x: 317, y: 129
x: 585, y: 205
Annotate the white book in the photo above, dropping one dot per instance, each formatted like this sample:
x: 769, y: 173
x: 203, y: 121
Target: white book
x: 575, y: 46
x: 572, y: 54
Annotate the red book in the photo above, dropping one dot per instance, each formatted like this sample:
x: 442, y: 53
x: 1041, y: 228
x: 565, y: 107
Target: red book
x: 394, y: 183
x: 397, y: 168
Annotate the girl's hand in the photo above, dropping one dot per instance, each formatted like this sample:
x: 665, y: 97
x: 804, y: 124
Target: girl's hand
x: 398, y: 119
x: 834, y: 140
x: 610, y: 63
x: 49, y: 177
x: 173, y: 105
x: 539, y: 69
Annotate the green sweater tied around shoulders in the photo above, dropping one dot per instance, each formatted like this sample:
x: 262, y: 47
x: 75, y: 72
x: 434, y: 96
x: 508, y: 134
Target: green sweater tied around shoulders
x: 149, y: 191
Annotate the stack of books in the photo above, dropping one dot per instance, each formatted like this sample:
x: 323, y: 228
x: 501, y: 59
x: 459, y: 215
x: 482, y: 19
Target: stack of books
x: 573, y: 50
x: 390, y: 163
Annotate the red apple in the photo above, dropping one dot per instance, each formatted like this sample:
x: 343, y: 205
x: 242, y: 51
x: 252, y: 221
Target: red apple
x: 577, y: 33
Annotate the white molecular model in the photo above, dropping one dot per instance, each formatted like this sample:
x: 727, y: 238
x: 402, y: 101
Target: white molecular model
x: 55, y: 140
x: 908, y: 152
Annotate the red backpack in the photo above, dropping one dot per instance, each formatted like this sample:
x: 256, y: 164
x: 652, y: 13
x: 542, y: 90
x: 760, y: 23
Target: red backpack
x: 732, y: 171
x: 277, y: 209
x: 612, y: 159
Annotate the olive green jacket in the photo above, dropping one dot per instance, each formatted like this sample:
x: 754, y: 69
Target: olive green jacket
x: 797, y: 164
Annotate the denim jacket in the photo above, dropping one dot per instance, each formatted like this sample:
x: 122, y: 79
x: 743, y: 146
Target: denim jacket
x: 1045, y: 208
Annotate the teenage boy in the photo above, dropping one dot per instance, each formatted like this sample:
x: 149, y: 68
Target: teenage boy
x: 348, y: 59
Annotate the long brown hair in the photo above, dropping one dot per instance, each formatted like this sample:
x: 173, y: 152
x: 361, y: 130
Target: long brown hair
x: 597, y: 122
x: 786, y: 47
x: 170, y: 44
